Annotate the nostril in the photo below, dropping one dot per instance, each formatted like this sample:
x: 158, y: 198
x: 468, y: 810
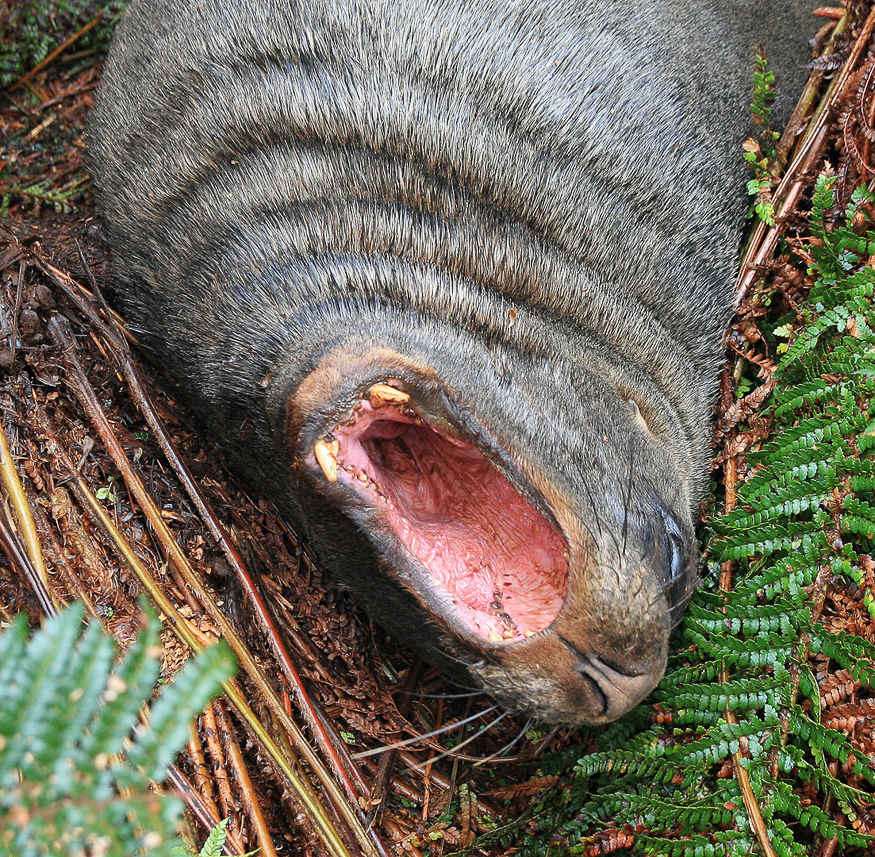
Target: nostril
x: 613, y: 666
x: 620, y: 688
x: 589, y: 662
x: 596, y: 692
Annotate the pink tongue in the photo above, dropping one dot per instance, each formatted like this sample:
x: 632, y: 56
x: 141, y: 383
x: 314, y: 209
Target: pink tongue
x: 494, y: 562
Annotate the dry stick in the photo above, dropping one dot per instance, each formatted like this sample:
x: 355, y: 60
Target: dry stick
x: 339, y: 765
x: 63, y: 339
x: 205, y: 812
x: 287, y: 707
x: 78, y: 89
x: 59, y: 561
x: 188, y: 635
x: 58, y: 50
x: 19, y: 560
x: 199, y: 762
x: 83, y: 299
x: 377, y: 797
x: 286, y: 746
x: 220, y: 766
x: 335, y: 751
x: 286, y: 701
x: 23, y: 516
x: 362, y: 782
x: 405, y: 790
x: 763, y: 243
x: 16, y: 312
x: 205, y: 790
x: 426, y: 777
x: 246, y: 791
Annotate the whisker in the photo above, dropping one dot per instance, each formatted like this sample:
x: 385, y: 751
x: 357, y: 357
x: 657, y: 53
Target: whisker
x: 594, y: 511
x: 421, y: 695
x: 503, y: 751
x: 451, y: 656
x: 417, y: 738
x: 572, y: 454
x: 479, y: 733
x: 627, y: 500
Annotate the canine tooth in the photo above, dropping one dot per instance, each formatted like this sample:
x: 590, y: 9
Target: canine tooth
x: 381, y: 395
x: 326, y: 455
x: 494, y: 638
x: 529, y: 632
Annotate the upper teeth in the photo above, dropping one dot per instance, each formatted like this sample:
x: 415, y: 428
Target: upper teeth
x: 382, y: 394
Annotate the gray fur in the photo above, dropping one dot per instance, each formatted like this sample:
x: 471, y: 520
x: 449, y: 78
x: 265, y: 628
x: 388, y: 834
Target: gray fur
x: 281, y: 180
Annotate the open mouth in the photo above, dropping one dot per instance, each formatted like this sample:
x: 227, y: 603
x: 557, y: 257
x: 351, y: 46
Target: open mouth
x: 486, y: 558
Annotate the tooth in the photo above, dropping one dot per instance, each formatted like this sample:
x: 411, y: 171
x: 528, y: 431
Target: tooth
x: 381, y: 395
x: 326, y: 455
x: 495, y: 638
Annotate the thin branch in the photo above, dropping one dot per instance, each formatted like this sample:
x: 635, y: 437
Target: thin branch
x: 56, y: 52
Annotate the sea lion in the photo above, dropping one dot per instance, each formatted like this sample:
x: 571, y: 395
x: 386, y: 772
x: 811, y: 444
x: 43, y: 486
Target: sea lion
x: 448, y: 279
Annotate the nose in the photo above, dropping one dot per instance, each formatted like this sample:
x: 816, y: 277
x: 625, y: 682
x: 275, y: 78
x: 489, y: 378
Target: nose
x: 620, y: 689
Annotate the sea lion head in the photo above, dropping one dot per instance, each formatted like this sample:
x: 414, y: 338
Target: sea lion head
x: 553, y: 566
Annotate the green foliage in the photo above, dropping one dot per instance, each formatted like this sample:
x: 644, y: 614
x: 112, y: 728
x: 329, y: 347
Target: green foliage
x: 39, y: 192
x: 215, y: 841
x: 37, y: 27
x: 761, y: 189
x: 805, y: 509
x: 75, y: 761
x: 763, y: 92
x: 762, y: 154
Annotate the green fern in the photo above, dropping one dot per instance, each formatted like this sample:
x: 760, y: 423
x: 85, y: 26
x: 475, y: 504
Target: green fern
x: 36, y: 27
x: 762, y: 154
x: 806, y: 508
x: 215, y: 841
x: 40, y: 194
x: 75, y: 761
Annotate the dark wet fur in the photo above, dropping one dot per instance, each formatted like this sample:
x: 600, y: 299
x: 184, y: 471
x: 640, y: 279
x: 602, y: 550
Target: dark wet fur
x: 539, y: 202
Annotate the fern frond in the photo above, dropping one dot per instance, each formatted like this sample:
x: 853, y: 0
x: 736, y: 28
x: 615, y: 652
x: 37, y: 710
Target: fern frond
x: 66, y: 713
x: 746, y: 651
